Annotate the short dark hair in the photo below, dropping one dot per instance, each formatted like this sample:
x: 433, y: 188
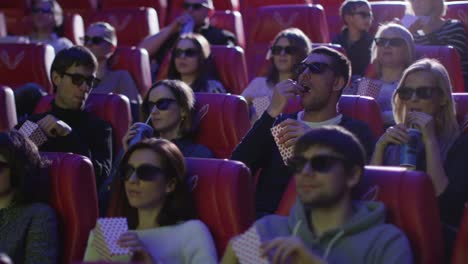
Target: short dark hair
x: 348, y: 7
x: 336, y: 138
x: 28, y: 171
x: 73, y: 56
x: 178, y: 205
x: 340, y: 63
x: 185, y: 99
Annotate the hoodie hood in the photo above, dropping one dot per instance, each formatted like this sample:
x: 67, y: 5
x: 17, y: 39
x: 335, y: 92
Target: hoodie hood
x: 366, y: 215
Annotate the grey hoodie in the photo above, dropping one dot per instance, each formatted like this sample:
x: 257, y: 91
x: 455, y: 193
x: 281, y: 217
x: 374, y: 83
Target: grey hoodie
x: 364, y: 239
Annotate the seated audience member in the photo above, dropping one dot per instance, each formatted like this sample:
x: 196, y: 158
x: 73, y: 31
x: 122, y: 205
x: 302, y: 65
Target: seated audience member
x: 67, y: 126
x: 355, y: 37
x: 423, y: 100
x: 432, y: 29
x: 28, y: 227
x: 101, y: 40
x: 392, y: 53
x: 47, y: 17
x: 289, y: 48
x: 325, y: 225
x: 324, y: 74
x: 197, y: 14
x: 169, y: 105
x: 191, y: 63
x: 159, y: 208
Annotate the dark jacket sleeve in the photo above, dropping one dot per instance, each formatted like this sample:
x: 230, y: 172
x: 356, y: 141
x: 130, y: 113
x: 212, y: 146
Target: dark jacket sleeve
x: 101, y: 151
x: 362, y: 131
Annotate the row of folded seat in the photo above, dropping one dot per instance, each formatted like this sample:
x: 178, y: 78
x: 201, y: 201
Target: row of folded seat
x: 408, y: 196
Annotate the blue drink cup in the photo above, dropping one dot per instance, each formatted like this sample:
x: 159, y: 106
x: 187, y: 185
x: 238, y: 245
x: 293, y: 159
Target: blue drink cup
x: 409, y: 151
x: 144, y: 131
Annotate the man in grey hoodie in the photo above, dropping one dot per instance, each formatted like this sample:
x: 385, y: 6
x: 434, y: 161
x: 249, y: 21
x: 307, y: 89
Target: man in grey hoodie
x: 325, y: 225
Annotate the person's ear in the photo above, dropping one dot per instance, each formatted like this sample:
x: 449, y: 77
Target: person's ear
x: 354, y: 176
x: 170, y: 186
x: 56, y: 78
x: 338, y: 83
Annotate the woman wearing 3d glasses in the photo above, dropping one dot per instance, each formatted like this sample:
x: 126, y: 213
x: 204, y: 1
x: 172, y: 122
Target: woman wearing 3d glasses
x: 392, y: 53
x: 157, y: 202
x: 191, y: 63
x: 101, y: 40
x: 169, y: 105
x: 289, y: 48
x: 423, y: 101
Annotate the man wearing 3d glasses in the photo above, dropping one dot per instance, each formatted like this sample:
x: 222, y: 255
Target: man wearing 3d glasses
x: 325, y: 225
x: 66, y: 125
x: 196, y: 18
x: 323, y: 75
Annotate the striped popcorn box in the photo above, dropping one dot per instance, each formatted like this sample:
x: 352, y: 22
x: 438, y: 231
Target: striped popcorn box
x: 261, y: 104
x: 107, y: 232
x: 286, y: 152
x: 247, y: 247
x: 32, y: 131
x: 369, y: 87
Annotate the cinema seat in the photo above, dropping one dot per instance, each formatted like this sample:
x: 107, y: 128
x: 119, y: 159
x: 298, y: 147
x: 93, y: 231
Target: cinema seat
x: 410, y: 202
x: 132, y: 25
x: 270, y: 20
x: 24, y: 63
x: 461, y: 104
x: 460, y: 254
x: 79, y: 6
x: 73, y: 195
x: 113, y: 108
x: 386, y: 11
x: 362, y: 108
x: 161, y: 6
x: 223, y: 196
x: 225, y: 123
x: 7, y: 109
x: 458, y: 10
x: 136, y: 62
x: 230, y: 21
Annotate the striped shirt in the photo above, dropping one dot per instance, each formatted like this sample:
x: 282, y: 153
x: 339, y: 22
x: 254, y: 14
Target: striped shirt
x: 451, y: 33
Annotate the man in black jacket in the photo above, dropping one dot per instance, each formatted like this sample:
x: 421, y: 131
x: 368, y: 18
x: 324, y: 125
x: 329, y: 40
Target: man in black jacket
x: 68, y: 128
x: 324, y: 74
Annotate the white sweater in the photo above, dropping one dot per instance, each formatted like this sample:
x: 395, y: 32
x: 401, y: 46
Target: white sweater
x: 188, y: 242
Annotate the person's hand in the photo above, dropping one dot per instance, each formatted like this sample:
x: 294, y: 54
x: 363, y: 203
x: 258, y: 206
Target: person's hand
x: 131, y: 133
x: 131, y: 241
x: 425, y: 123
x: 53, y: 127
x: 288, y: 250
x: 292, y: 131
x: 281, y: 93
x: 397, y: 134
x: 179, y: 22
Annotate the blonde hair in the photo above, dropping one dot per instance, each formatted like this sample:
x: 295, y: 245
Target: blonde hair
x: 440, y: 7
x: 403, y: 33
x: 446, y: 125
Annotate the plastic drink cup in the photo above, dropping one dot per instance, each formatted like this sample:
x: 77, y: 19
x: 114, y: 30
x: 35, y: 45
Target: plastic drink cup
x: 188, y: 26
x: 409, y: 151
x: 144, y: 131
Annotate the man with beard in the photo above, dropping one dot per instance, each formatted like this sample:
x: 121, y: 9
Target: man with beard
x: 324, y: 74
x: 325, y: 225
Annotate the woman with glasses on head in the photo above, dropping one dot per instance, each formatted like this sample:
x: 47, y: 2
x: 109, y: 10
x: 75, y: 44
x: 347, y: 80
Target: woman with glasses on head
x: 191, y: 63
x: 28, y: 226
x: 155, y: 198
x: 289, y: 48
x: 430, y: 28
x: 423, y: 100
x: 170, y: 108
x: 392, y: 52
x: 101, y: 40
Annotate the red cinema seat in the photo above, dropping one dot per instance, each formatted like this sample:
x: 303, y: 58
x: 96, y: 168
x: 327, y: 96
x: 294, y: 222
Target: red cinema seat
x: 458, y: 10
x: 230, y: 21
x: 225, y: 123
x: 73, y: 195
x: 461, y: 104
x: 24, y: 63
x: 460, y: 254
x: 112, y: 108
x: 332, y: 11
x: 385, y: 11
x: 7, y: 109
x: 230, y: 66
x: 358, y: 107
x: 136, y: 62
x: 3, y: 28
x: 132, y: 25
x: 410, y: 203
x: 223, y: 195
x: 160, y: 6
x: 73, y: 28
x: 270, y: 20
x: 450, y: 58
x: 77, y: 6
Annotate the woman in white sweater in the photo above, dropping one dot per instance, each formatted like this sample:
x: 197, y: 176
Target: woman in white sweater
x: 159, y: 209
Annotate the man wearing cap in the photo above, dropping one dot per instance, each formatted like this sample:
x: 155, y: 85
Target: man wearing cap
x: 196, y: 12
